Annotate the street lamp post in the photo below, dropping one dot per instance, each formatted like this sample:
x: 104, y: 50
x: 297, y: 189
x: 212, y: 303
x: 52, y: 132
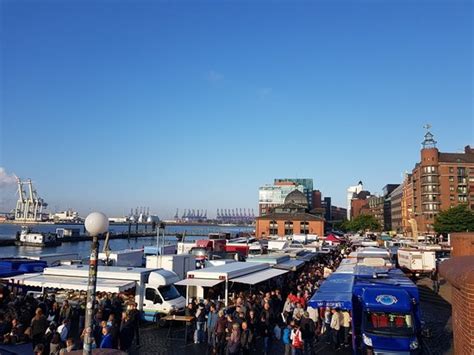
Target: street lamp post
x: 96, y: 223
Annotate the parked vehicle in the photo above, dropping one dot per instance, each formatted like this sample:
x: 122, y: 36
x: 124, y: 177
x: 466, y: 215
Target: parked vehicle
x: 384, y: 304
x: 416, y: 262
x: 154, y: 291
x: 179, y: 264
x: 127, y: 257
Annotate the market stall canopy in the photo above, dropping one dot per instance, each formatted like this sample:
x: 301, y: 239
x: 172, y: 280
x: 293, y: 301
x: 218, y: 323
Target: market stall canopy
x: 291, y: 265
x: 72, y: 283
x: 198, y: 282
x: 336, y: 291
x: 260, y: 276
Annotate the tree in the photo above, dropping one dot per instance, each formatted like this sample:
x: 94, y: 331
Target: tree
x: 455, y: 219
x: 363, y: 222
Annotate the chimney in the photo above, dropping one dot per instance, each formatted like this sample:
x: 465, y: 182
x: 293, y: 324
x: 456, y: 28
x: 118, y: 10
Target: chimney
x: 468, y: 149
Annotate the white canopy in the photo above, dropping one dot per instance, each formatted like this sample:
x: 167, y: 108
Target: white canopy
x: 291, y: 265
x: 72, y: 283
x: 198, y: 282
x: 259, y: 276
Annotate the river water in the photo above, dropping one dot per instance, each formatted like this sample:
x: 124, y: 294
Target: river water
x: 8, y: 231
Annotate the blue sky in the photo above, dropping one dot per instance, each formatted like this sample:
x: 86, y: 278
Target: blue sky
x: 110, y: 105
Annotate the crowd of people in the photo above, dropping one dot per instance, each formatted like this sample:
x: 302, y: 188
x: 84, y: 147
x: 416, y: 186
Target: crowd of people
x: 260, y: 318
x: 256, y: 319
x: 56, y: 328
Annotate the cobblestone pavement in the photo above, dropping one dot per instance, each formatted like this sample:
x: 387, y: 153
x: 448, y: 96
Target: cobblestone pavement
x: 153, y: 341
x: 436, y: 312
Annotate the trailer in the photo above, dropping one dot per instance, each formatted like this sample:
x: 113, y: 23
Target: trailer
x: 179, y: 264
x: 236, y: 272
x: 384, y: 305
x: 126, y: 257
x: 416, y: 262
x: 154, y: 291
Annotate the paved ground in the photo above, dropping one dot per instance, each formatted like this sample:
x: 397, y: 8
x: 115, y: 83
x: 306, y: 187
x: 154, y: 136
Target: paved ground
x: 435, y: 309
x: 436, y: 312
x: 154, y: 342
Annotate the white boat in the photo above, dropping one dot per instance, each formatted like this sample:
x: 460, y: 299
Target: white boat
x: 31, y: 239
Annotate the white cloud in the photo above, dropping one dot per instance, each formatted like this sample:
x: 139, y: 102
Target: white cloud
x: 7, y: 190
x: 263, y: 92
x: 214, y: 76
x: 6, y: 179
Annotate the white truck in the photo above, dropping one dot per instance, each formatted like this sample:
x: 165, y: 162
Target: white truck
x: 127, y: 257
x: 154, y: 289
x: 416, y: 262
x: 179, y: 264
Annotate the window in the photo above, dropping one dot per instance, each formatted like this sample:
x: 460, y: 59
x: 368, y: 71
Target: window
x: 388, y: 323
x: 169, y: 292
x: 273, y: 228
x: 462, y: 189
x: 462, y: 198
x: 461, y: 171
x: 288, y: 228
x: 451, y: 179
x: 451, y: 188
x: 451, y: 170
x: 304, y: 227
x: 152, y: 295
x: 451, y: 197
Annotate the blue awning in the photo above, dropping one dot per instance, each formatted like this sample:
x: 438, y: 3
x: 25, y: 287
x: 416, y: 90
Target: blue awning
x: 336, y: 291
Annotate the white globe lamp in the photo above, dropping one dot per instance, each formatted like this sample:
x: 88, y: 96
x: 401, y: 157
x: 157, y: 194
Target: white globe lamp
x: 96, y: 223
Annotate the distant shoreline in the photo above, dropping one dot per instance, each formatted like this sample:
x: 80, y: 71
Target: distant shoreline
x: 126, y: 224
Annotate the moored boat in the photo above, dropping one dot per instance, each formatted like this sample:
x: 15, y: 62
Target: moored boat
x: 32, y: 239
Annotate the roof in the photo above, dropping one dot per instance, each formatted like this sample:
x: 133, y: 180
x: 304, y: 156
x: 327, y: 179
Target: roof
x: 291, y: 265
x: 105, y: 272
x: 298, y: 216
x: 336, y: 291
x: 259, y: 276
x: 73, y: 282
x: 227, y: 270
x: 198, y: 282
x: 296, y: 197
x: 456, y: 158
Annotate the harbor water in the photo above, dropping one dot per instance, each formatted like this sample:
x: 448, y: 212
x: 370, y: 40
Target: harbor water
x: 192, y: 232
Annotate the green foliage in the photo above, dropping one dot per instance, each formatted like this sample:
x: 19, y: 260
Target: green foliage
x: 455, y: 219
x: 362, y: 223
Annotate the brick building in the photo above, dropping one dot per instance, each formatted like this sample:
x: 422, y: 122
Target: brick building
x: 439, y: 181
x: 375, y: 207
x: 407, y: 204
x: 459, y: 272
x: 293, y: 217
x: 358, y: 202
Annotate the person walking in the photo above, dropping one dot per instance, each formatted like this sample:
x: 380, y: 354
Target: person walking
x: 346, y: 326
x: 296, y: 340
x: 200, y: 324
x: 233, y: 345
x: 134, y: 316
x: 211, y: 325
x: 335, y: 326
x: 39, y: 324
x: 246, y: 339
x: 286, y: 338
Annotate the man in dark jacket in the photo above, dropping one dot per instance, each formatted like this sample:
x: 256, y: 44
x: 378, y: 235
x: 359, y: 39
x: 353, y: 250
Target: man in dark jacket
x: 246, y: 339
x: 134, y: 316
x: 308, y: 330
